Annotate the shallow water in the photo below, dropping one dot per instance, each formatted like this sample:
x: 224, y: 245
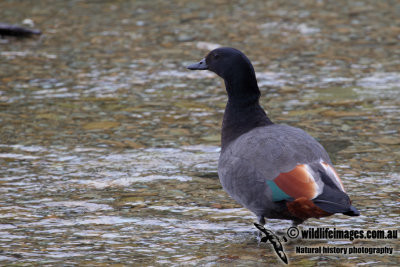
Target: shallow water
x: 109, y: 146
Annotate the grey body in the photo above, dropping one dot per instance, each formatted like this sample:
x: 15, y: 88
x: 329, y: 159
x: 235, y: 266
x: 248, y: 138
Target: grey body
x: 262, y: 154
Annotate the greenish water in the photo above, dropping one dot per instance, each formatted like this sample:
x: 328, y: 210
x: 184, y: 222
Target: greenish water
x: 109, y: 146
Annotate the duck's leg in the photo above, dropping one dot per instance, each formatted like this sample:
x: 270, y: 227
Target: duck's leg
x: 261, y: 220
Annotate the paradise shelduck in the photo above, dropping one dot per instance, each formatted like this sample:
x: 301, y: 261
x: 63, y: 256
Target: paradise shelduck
x: 276, y: 171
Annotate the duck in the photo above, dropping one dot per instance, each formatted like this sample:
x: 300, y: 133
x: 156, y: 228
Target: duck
x: 274, y: 170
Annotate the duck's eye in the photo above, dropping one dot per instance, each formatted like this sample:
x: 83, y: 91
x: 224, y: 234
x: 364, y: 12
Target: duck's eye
x: 216, y: 56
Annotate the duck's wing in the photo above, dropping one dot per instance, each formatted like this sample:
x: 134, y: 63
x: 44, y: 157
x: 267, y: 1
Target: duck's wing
x: 289, y: 165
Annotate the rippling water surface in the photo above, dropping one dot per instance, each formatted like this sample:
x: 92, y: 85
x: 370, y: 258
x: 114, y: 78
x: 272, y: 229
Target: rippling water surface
x: 109, y: 146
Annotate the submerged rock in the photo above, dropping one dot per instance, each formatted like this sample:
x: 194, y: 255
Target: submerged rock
x: 17, y: 31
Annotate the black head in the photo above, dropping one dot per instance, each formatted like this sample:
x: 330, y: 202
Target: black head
x: 242, y: 112
x: 226, y: 62
x: 237, y: 71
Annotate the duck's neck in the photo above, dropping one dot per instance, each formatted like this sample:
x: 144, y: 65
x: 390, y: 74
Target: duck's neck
x: 243, y: 111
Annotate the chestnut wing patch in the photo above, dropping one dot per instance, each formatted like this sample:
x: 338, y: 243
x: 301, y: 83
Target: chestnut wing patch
x: 297, y: 183
x: 311, y: 190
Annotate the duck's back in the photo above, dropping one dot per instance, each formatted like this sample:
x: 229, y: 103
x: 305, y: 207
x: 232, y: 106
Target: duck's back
x: 272, y: 150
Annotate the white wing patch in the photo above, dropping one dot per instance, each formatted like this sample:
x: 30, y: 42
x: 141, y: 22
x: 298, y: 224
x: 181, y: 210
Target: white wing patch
x: 319, y: 185
x: 332, y: 174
